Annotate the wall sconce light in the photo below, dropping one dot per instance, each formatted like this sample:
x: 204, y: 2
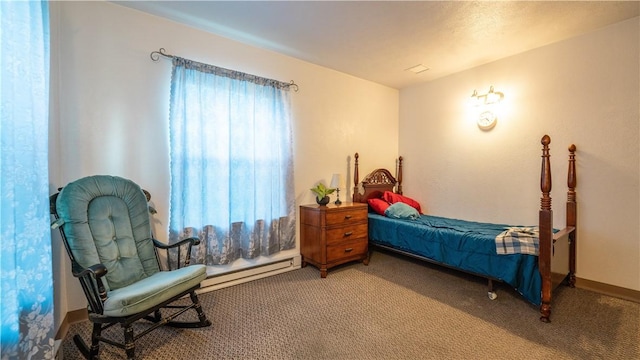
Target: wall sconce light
x: 485, y: 103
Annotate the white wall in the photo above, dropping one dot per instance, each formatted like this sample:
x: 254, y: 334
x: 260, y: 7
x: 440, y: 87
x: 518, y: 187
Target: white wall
x: 585, y: 91
x: 113, y: 107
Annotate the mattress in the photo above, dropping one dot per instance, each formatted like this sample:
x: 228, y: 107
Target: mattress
x: 465, y: 245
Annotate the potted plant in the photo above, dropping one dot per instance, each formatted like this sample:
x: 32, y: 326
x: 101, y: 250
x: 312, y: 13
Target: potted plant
x: 322, y: 193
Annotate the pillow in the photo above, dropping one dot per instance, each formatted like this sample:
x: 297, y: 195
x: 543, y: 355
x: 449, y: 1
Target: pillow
x: 378, y: 205
x: 393, y: 198
x: 401, y: 210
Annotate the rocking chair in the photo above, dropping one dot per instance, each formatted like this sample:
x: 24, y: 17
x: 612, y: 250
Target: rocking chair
x: 105, y: 226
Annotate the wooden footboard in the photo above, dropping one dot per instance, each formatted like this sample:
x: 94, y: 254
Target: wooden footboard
x: 549, y: 240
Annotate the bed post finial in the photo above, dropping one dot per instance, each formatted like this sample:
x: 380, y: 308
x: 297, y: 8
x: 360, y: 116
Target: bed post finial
x: 356, y: 179
x: 399, y: 177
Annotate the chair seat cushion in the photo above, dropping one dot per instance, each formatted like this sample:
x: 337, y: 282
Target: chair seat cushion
x: 152, y: 290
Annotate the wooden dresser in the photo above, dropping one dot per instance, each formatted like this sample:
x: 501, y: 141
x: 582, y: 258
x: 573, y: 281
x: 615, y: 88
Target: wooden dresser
x: 333, y: 234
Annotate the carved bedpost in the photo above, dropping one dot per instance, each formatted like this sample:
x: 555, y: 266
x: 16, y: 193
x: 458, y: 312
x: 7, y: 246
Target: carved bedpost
x: 399, y: 177
x: 546, y: 234
x: 572, y: 213
x: 356, y: 179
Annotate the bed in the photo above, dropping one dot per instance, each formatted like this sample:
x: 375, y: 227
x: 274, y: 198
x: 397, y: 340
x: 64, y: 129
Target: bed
x: 475, y: 247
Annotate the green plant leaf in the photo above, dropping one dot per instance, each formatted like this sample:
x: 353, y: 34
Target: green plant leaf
x: 321, y: 190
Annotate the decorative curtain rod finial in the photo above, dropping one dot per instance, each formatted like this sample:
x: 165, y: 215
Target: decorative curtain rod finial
x: 155, y: 55
x: 294, y: 86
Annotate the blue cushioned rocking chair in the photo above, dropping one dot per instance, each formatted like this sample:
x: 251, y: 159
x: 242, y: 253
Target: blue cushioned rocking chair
x: 105, y: 227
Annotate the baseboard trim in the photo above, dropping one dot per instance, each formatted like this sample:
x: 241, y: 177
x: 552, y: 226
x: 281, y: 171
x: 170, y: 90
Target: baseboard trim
x: 71, y: 317
x: 610, y: 290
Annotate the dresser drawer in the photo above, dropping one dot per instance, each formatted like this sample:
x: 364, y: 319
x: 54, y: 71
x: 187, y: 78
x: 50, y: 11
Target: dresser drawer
x: 346, y: 233
x: 346, y: 250
x: 347, y: 216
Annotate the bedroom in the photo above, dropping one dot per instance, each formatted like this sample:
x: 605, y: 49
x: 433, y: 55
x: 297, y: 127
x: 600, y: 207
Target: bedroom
x: 102, y: 61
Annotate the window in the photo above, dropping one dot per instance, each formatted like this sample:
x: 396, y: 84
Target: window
x: 231, y: 163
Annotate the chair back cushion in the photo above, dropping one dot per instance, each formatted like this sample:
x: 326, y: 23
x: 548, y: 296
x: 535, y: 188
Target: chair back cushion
x: 106, y: 220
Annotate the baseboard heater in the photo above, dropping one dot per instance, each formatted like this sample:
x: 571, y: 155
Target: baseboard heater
x: 248, y: 274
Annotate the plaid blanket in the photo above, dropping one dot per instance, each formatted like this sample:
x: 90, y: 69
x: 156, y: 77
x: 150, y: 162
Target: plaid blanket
x: 518, y: 240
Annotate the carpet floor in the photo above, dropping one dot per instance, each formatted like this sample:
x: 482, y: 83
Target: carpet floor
x: 394, y: 308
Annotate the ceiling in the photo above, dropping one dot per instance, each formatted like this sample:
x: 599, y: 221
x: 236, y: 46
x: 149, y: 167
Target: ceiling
x: 379, y: 40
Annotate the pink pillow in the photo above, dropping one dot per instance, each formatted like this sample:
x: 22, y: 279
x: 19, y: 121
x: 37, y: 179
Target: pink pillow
x: 393, y: 198
x: 378, y: 205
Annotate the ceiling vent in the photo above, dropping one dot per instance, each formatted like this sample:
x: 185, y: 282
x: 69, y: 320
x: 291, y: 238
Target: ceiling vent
x: 417, y: 69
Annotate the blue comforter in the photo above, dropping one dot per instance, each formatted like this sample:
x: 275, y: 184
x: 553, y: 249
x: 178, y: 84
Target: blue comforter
x: 465, y: 245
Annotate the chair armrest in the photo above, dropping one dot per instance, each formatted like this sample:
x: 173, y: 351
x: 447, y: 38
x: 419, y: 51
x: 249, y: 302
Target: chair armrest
x: 178, y: 253
x: 96, y: 271
x: 92, y: 285
x: 161, y: 245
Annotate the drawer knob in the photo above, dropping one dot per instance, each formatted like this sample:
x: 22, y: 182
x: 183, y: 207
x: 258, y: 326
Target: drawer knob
x: 347, y: 217
x: 348, y: 250
x: 348, y: 233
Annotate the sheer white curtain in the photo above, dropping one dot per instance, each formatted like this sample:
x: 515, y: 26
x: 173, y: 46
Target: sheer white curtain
x: 231, y: 163
x: 26, y: 283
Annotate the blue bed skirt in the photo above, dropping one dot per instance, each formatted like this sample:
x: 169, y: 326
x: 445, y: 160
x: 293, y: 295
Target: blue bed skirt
x: 465, y: 245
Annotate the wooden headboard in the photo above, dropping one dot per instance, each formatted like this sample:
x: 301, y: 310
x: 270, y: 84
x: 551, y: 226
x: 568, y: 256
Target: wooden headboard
x: 376, y: 183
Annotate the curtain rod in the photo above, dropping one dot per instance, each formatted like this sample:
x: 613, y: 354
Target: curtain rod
x: 155, y: 56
